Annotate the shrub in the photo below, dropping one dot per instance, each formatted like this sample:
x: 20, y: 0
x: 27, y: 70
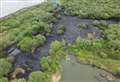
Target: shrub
x: 56, y: 46
x: 39, y: 39
x: 61, y: 29
x: 38, y: 76
x: 50, y: 64
x: 26, y: 43
x: 83, y: 25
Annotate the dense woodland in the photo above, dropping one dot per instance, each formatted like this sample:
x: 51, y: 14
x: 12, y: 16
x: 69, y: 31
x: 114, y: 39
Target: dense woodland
x: 28, y: 29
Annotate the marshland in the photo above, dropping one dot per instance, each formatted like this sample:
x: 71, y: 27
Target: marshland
x: 62, y: 41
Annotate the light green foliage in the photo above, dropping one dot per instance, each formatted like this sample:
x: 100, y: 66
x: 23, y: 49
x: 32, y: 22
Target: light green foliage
x: 3, y: 79
x: 92, y: 8
x: 56, y: 46
x: 29, y: 22
x: 26, y: 43
x: 101, y: 24
x: 50, y: 64
x: 61, y: 29
x: 82, y: 25
x: 29, y: 43
x: 112, y: 44
x: 118, y: 71
x: 19, y: 80
x: 88, y: 44
x: 38, y: 76
x: 5, y: 67
x: 39, y: 40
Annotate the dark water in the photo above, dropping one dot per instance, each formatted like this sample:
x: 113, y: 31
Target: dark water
x: 71, y: 33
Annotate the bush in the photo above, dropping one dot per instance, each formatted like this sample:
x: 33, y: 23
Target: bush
x: 26, y: 43
x: 61, y: 29
x: 83, y: 25
x: 38, y: 76
x: 5, y: 67
x: 50, y: 64
x: 39, y: 39
x: 56, y: 46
